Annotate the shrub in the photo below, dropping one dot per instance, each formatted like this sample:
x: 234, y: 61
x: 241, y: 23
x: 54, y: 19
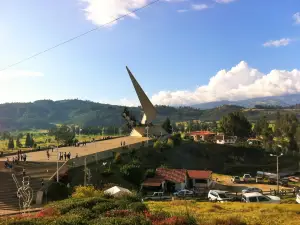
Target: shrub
x: 86, y: 191
x: 81, y: 212
x: 107, y: 172
x: 170, y: 143
x: 69, y: 219
x: 57, y: 191
x: 150, y: 173
x: 69, y: 204
x: 176, y: 139
x: 103, y: 207
x: 229, y: 221
x: 138, y: 207
x: 158, y: 145
x: 118, y: 158
x: 47, y: 212
x: 132, y: 173
x: 130, y: 220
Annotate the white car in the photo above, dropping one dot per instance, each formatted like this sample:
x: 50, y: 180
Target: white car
x: 218, y: 196
x: 298, y: 198
x: 250, y: 190
x: 184, y: 192
x: 157, y: 196
x: 256, y: 197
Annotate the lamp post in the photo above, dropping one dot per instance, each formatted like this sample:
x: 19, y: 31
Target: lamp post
x: 277, y: 157
x: 57, y: 177
x: 147, y: 130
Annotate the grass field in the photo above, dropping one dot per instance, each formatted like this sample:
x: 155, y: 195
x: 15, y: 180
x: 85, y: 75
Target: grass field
x: 232, y: 213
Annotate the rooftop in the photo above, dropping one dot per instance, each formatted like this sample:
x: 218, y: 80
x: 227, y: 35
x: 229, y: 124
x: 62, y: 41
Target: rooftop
x: 201, y: 133
x: 178, y: 175
x: 199, y: 174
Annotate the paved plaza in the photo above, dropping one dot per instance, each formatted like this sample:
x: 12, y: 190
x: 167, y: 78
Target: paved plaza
x: 89, y: 148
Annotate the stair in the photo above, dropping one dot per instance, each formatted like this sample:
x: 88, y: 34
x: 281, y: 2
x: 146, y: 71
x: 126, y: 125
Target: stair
x: 8, y: 190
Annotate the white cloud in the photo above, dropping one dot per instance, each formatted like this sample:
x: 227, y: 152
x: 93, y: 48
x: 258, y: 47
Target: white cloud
x: 278, y: 43
x: 11, y: 74
x: 296, y: 17
x: 129, y: 102
x: 224, y: 1
x: 101, y: 12
x: 199, y: 7
x: 240, y: 82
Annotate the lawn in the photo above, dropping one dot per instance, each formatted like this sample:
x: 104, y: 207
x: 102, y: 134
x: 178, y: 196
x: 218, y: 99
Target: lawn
x: 237, y: 213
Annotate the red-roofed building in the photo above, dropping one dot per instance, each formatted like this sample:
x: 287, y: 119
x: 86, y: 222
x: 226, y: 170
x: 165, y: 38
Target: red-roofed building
x: 202, y: 135
x: 179, y: 179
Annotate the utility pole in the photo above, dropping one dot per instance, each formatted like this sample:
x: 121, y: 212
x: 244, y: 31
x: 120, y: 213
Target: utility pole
x: 147, y: 129
x: 57, y: 176
x: 277, y: 158
x: 85, y: 171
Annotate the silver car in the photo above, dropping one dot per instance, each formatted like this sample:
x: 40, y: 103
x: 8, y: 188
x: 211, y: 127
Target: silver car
x: 251, y: 190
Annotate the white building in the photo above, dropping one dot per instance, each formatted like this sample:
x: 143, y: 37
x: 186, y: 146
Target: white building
x: 224, y: 139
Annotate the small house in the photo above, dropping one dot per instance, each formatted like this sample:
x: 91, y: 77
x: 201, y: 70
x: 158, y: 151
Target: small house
x: 202, y: 135
x: 224, y: 139
x: 176, y: 179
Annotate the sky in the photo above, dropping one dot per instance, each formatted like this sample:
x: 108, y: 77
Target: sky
x: 182, y: 52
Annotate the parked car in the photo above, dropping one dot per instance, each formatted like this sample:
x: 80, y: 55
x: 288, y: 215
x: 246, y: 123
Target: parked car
x: 284, y: 182
x: 219, y: 196
x: 247, y: 178
x: 259, y: 180
x: 157, y: 196
x: 298, y: 198
x: 251, y: 190
x: 258, y: 197
x: 184, y: 192
x: 235, y: 179
x: 272, y: 180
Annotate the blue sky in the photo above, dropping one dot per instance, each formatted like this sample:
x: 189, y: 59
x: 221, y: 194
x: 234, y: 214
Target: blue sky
x: 181, y: 52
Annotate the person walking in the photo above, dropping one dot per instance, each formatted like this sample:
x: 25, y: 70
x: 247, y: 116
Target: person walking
x: 65, y: 155
x: 69, y: 155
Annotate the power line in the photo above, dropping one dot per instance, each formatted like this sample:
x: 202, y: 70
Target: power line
x: 78, y: 36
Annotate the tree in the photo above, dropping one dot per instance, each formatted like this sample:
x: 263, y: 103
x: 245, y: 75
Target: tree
x: 167, y: 126
x: 261, y: 126
x: 235, y: 123
x: 29, y: 142
x: 286, y: 128
x: 11, y: 144
x: 63, y: 134
x: 18, y: 143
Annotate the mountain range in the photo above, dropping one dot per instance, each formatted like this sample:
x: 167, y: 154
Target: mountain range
x: 44, y: 114
x: 283, y: 101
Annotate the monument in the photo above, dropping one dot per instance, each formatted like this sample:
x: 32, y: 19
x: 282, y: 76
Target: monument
x: 145, y: 127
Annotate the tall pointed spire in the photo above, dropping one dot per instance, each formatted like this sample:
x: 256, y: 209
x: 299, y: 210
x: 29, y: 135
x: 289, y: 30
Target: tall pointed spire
x: 148, y: 108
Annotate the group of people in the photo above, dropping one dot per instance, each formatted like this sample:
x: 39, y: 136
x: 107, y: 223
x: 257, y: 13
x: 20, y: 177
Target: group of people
x: 64, y: 155
x: 20, y: 156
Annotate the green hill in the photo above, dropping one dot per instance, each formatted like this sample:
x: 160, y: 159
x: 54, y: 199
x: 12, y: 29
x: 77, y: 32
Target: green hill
x: 43, y: 114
